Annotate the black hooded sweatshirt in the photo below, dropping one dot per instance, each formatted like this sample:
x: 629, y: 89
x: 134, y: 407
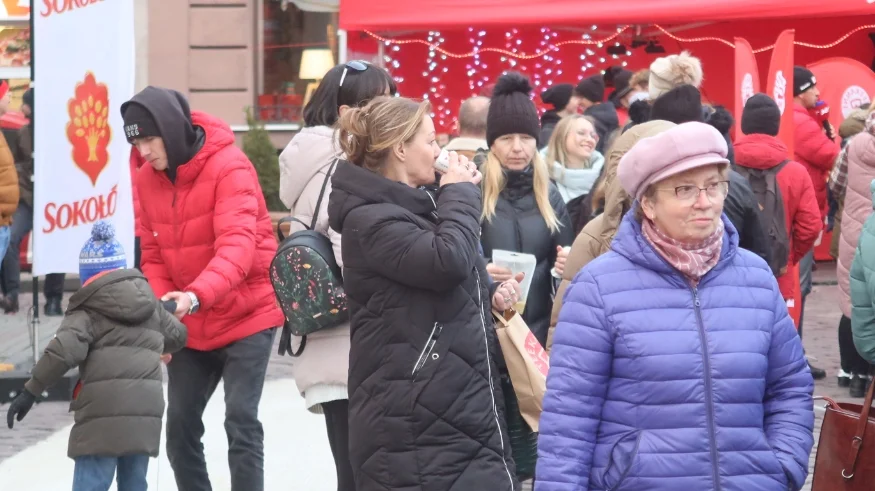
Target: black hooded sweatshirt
x: 172, y: 115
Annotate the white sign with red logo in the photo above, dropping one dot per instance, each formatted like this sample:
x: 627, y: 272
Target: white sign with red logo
x: 84, y: 70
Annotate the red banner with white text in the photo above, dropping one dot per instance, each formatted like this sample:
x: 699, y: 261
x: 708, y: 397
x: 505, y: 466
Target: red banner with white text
x: 780, y: 85
x: 747, y: 78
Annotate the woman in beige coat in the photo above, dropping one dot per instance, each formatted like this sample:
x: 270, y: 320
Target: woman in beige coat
x: 595, y: 238
x: 857, y: 206
x: 321, y: 371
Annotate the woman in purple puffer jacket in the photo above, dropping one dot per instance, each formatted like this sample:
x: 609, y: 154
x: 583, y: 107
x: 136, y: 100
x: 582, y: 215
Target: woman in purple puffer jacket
x: 675, y: 365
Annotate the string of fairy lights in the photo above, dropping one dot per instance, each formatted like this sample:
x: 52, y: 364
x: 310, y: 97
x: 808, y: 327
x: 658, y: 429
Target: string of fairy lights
x: 546, y: 70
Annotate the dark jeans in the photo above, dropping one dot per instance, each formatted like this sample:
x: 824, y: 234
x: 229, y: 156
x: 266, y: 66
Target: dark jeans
x: 22, y: 223
x: 192, y: 378
x: 137, y: 254
x: 337, y: 422
x: 851, y: 360
x: 92, y: 473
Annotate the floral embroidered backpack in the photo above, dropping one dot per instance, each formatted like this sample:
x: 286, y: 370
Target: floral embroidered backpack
x: 307, y: 281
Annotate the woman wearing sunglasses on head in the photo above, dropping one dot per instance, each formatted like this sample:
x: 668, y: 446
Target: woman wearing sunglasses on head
x: 322, y: 369
x: 674, y: 362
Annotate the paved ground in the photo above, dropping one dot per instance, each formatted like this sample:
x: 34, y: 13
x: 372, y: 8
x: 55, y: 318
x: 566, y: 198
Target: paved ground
x: 298, y: 458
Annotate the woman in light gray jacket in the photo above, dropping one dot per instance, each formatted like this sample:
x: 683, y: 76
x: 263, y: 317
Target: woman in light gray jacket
x: 321, y: 370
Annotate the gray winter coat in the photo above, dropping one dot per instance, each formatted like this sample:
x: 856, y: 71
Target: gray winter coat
x: 115, y: 331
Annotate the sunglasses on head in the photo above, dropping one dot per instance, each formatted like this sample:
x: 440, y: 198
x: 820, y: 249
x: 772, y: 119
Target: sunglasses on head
x: 357, y: 65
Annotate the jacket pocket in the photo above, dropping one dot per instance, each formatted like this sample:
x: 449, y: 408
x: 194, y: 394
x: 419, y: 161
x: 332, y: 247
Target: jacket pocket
x: 781, y: 475
x: 428, y: 350
x: 621, y: 459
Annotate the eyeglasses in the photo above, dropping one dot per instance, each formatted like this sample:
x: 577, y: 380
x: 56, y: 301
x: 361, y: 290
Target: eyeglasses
x: 689, y: 194
x: 591, y: 134
x: 357, y: 65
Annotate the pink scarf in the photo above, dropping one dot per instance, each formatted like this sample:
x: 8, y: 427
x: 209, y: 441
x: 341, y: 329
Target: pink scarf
x: 692, y: 259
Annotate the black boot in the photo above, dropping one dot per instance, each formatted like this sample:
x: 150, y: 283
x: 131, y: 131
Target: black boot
x: 817, y: 373
x: 10, y: 304
x: 858, y: 386
x: 53, y: 307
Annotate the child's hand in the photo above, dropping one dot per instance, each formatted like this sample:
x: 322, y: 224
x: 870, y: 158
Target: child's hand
x: 19, y: 407
x: 166, y: 357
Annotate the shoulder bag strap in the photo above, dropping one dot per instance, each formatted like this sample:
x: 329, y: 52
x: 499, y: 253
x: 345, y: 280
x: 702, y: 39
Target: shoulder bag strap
x: 860, y: 434
x: 322, y: 194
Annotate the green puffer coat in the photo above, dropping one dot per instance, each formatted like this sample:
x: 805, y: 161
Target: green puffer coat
x: 863, y: 289
x: 115, y: 331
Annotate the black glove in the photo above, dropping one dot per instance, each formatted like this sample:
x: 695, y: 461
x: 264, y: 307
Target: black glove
x: 19, y: 406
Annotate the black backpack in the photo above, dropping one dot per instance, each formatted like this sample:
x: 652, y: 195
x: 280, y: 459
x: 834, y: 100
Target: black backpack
x: 307, y: 281
x: 764, y: 184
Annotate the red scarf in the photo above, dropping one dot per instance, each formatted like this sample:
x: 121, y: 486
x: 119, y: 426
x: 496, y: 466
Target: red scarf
x: 693, y: 259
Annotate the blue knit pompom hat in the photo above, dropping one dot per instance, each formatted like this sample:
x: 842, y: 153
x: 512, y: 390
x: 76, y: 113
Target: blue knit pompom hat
x: 102, y: 252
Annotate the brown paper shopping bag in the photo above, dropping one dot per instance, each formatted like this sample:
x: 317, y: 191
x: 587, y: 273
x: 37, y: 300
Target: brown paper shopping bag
x: 527, y: 363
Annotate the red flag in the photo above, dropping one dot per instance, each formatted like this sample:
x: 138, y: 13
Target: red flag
x: 780, y: 84
x: 747, y: 78
x: 845, y: 84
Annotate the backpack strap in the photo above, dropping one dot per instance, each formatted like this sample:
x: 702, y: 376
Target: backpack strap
x: 285, y: 345
x: 312, y: 225
x: 322, y: 194
x: 283, y: 220
x: 781, y: 165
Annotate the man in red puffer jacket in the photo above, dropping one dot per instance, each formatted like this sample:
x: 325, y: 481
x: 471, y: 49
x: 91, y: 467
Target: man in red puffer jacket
x: 760, y: 148
x: 207, y: 244
x: 136, y: 162
x: 813, y: 147
x: 816, y: 149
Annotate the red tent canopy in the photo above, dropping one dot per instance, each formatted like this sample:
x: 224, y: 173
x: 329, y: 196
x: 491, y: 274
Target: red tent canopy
x: 437, y: 14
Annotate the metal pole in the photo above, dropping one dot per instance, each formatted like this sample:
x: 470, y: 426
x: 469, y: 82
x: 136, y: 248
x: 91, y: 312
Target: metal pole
x: 34, y: 321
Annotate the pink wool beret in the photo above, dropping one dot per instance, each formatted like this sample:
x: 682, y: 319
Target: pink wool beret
x: 679, y: 149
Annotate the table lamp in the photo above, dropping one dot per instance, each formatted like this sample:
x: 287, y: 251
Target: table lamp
x: 315, y: 63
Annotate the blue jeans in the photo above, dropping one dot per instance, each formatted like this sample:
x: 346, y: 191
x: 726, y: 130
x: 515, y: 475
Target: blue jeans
x: 93, y: 473
x: 5, y: 235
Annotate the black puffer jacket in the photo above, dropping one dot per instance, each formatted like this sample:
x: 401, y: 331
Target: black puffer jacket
x: 742, y: 209
x: 519, y: 227
x: 425, y: 408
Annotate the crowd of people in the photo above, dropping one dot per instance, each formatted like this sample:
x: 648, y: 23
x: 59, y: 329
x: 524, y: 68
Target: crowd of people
x: 666, y: 255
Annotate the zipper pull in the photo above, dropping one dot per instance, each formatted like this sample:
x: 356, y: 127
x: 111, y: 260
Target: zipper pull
x: 696, y: 297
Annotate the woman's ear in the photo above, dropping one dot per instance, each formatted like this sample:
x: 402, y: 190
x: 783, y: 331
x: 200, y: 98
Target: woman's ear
x: 400, y: 152
x: 342, y: 109
x: 648, y: 206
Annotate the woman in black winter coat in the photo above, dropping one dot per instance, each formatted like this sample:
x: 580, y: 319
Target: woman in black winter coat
x: 523, y: 210
x: 425, y: 405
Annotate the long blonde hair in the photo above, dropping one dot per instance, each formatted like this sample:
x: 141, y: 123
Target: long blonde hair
x: 556, y: 150
x: 494, y: 182
x: 368, y: 134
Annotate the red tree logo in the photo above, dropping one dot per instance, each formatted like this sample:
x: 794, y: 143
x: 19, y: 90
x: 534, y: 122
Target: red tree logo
x: 88, y: 129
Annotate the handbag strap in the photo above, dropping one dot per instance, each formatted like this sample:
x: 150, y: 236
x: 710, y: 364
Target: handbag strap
x: 504, y: 317
x: 860, y: 435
